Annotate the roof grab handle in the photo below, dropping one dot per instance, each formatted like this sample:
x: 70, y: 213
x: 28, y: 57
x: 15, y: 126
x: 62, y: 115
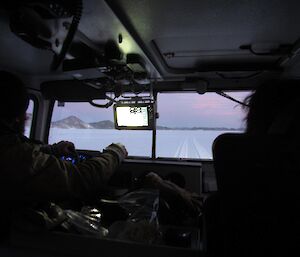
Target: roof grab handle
x: 267, y: 48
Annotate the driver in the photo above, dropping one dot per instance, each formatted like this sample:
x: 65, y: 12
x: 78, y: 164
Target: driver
x: 34, y: 172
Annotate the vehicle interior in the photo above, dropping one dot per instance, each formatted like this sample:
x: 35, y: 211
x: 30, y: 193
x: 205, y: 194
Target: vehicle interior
x: 183, y: 70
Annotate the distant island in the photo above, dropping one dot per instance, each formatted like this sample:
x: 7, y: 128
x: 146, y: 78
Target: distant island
x: 75, y: 122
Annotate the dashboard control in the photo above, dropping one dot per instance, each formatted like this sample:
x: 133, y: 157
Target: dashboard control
x: 79, y: 158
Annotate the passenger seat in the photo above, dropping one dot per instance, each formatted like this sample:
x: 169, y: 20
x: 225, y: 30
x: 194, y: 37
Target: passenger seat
x: 259, y: 195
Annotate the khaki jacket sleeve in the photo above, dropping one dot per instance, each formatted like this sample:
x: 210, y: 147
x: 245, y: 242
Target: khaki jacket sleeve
x: 46, y: 177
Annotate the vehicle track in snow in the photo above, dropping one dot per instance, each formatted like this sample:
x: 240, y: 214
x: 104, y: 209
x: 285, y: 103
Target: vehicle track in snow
x: 190, y: 146
x: 182, y: 149
x: 201, y: 151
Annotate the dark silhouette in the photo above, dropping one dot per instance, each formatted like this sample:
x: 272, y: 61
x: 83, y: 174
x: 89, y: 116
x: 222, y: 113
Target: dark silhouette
x: 14, y: 101
x: 254, y: 212
x: 273, y: 104
x: 32, y: 172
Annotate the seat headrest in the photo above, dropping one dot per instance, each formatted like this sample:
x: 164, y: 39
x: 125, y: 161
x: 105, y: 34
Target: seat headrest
x: 237, y: 156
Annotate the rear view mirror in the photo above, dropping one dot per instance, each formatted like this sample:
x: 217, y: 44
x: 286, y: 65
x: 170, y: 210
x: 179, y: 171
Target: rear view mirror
x: 134, y: 116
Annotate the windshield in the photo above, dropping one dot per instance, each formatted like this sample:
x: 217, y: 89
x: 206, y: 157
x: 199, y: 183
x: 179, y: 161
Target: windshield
x: 189, y: 123
x: 187, y: 126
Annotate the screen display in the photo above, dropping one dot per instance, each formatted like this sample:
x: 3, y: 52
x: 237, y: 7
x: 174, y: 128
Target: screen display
x: 132, y: 116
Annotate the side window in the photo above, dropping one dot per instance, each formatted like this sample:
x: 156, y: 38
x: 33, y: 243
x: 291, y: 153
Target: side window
x: 91, y: 128
x: 190, y: 122
x: 29, y: 114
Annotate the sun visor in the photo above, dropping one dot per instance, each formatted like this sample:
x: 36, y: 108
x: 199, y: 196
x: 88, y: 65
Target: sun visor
x: 71, y: 91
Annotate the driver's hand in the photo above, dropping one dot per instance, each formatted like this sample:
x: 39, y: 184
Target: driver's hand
x: 154, y: 179
x: 65, y: 148
x: 122, y: 147
x: 118, y: 149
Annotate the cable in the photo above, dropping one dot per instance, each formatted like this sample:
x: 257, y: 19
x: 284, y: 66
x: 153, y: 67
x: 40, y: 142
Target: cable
x: 57, y: 60
x: 108, y: 104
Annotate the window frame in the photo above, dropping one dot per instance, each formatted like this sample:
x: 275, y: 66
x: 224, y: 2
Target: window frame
x: 154, y: 131
x: 49, y: 119
x: 35, y: 109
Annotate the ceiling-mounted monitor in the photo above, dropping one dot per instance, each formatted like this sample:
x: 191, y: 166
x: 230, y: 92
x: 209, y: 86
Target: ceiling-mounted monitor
x: 134, y: 116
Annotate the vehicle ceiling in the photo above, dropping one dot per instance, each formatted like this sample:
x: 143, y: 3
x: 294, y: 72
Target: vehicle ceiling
x: 183, y: 44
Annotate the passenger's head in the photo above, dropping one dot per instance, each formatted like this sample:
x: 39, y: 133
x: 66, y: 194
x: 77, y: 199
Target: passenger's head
x: 14, y: 101
x: 274, y: 103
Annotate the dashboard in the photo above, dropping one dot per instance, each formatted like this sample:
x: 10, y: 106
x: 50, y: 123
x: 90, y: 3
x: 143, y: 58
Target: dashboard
x: 79, y: 157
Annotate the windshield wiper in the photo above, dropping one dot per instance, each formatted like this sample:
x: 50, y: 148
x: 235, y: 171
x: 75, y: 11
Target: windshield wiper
x: 221, y: 93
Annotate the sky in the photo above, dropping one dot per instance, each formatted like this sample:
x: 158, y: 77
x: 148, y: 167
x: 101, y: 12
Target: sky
x: 175, y: 110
